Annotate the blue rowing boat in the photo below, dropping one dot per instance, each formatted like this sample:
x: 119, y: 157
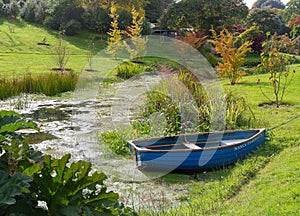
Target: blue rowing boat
x: 192, y: 152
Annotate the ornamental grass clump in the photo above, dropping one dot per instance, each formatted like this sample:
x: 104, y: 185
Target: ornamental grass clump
x: 128, y: 70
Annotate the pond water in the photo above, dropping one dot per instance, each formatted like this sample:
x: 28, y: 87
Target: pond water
x: 72, y: 123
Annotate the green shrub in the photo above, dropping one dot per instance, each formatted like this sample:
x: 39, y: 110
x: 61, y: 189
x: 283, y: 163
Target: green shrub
x: 72, y: 27
x: 128, y: 70
x: 172, y: 102
x: 159, y: 102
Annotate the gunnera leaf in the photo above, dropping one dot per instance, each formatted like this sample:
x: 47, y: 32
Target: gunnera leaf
x: 12, y: 186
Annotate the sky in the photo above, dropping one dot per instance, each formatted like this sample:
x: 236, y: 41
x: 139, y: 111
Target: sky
x: 249, y: 3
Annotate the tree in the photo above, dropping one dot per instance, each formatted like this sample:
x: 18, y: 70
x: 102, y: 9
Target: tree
x: 259, y: 3
x: 232, y: 57
x: 97, y: 20
x: 274, y: 4
x: 90, y: 52
x: 294, y: 24
x: 114, y: 44
x: 65, y: 15
x: 203, y: 14
x: 138, y: 47
x: 276, y: 64
x: 268, y: 3
x: 127, y: 5
x: 11, y: 9
x: 124, y: 19
x: 60, y: 54
x: 155, y: 8
x: 267, y: 21
x: 292, y: 10
x: 195, y: 39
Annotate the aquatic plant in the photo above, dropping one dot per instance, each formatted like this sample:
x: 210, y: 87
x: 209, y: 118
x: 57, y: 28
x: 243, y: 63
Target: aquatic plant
x: 116, y: 142
x: 49, y: 84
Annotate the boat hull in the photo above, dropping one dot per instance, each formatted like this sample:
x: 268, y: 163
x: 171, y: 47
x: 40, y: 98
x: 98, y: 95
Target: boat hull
x: 208, y: 151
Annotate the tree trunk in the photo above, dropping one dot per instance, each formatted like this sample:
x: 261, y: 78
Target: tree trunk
x: 277, y: 101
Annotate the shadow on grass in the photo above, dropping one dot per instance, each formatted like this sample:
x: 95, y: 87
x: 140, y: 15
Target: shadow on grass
x: 272, y: 104
x: 250, y: 84
x: 17, y: 22
x: 79, y: 40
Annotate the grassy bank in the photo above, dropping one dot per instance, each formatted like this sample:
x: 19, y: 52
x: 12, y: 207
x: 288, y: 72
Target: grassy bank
x: 20, y: 52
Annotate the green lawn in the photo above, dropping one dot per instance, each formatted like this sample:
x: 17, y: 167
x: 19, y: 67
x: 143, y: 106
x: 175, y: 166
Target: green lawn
x: 274, y: 189
x: 20, y: 53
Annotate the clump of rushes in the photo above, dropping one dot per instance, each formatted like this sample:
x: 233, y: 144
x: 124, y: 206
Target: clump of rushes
x: 49, y: 84
x: 238, y: 112
x: 188, y: 113
x: 116, y: 141
x: 128, y: 70
x: 178, y: 105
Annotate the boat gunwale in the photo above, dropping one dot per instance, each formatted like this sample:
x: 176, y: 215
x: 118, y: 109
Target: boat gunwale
x: 259, y: 132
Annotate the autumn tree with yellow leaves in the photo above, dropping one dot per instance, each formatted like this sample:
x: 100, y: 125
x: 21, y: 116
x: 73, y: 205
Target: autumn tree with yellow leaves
x: 137, y: 45
x: 114, y: 41
x: 233, y: 56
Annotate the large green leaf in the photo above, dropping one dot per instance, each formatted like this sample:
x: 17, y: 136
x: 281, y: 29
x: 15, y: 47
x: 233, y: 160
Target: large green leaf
x: 72, y: 188
x: 12, y: 186
x: 24, y: 206
x: 18, y: 155
x: 10, y: 122
x: 12, y: 127
x: 8, y: 117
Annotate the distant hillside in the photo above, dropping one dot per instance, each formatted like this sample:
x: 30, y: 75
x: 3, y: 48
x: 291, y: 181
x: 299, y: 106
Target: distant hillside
x: 29, y: 48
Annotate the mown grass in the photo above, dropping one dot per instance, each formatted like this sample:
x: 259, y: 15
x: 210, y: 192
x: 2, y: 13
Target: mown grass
x: 275, y: 190
x: 20, y: 52
x: 267, y: 182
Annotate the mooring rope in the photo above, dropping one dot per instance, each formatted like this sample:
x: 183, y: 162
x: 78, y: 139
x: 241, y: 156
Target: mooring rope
x: 284, y: 123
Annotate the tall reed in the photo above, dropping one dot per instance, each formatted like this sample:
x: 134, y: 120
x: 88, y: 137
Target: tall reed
x: 49, y: 84
x: 185, y: 106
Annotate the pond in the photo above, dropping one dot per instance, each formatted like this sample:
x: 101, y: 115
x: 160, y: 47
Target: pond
x: 72, y: 123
